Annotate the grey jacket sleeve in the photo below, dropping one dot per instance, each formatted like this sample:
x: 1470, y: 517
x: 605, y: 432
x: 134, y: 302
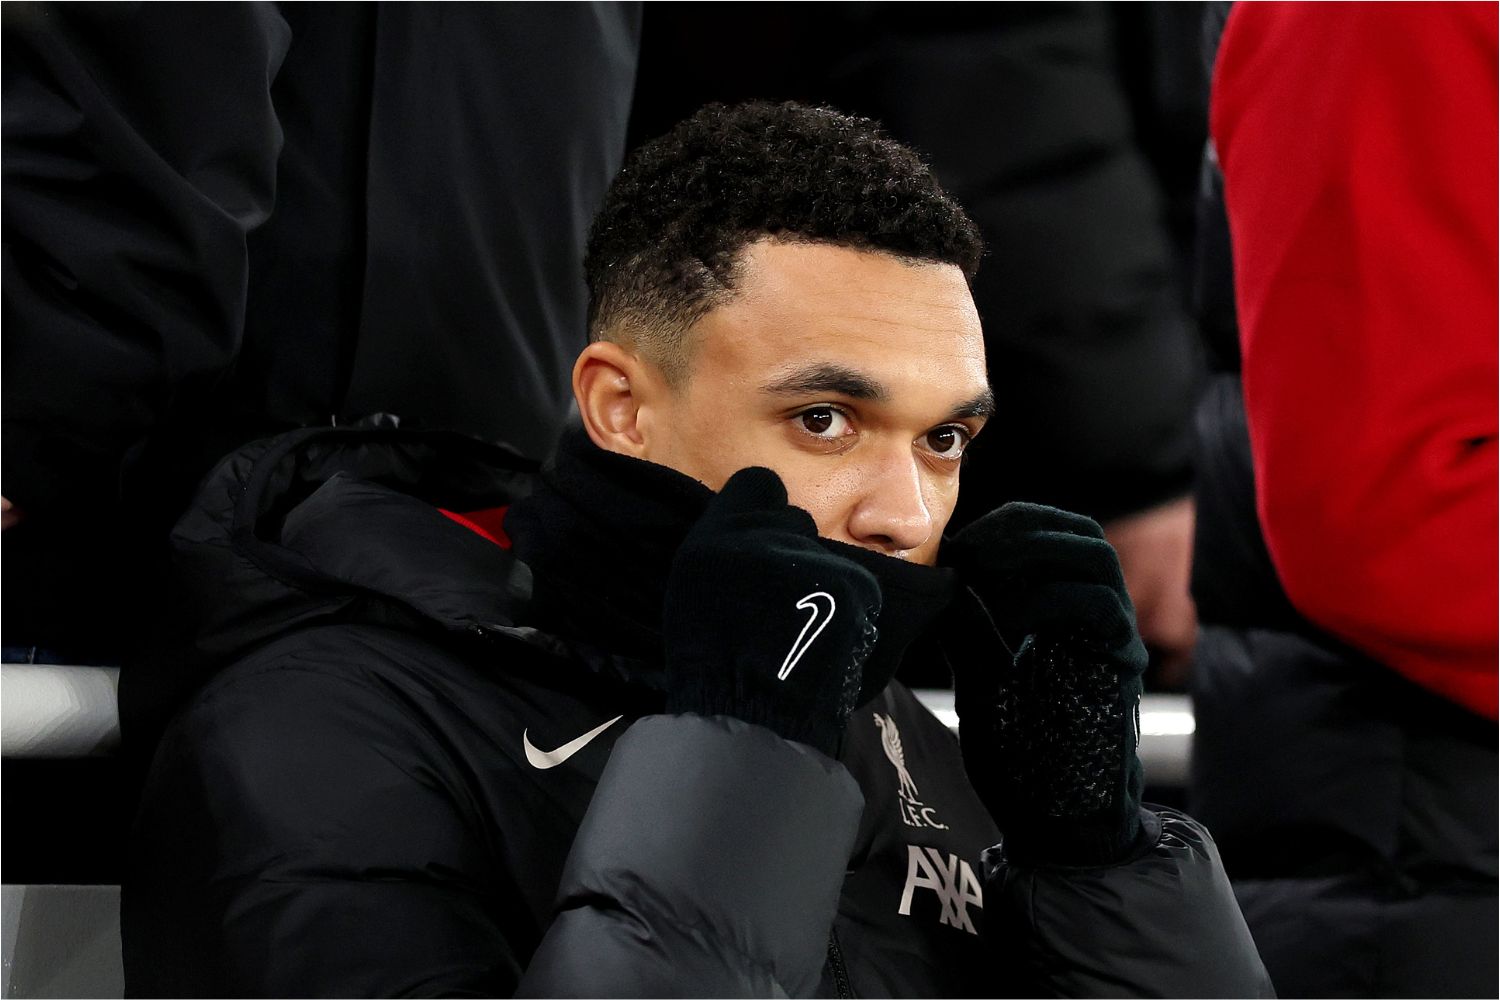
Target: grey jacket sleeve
x: 1164, y: 923
x: 709, y: 864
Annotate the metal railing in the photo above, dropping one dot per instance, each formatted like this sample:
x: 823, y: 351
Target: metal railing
x: 68, y: 711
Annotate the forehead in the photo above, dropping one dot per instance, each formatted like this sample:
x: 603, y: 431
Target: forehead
x: 911, y: 326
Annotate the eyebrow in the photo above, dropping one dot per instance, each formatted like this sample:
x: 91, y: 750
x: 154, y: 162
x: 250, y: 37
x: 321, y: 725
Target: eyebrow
x: 982, y: 405
x: 823, y: 378
x: 828, y: 378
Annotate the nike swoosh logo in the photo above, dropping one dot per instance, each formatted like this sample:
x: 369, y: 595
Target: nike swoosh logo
x: 810, y: 603
x: 543, y: 759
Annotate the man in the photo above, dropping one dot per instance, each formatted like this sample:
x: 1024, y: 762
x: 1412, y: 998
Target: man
x: 1091, y: 355
x: 630, y: 735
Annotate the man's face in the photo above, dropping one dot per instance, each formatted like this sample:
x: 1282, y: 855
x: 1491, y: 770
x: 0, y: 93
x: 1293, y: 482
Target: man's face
x: 856, y: 377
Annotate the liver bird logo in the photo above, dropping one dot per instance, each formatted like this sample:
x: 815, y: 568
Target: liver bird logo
x: 890, y: 741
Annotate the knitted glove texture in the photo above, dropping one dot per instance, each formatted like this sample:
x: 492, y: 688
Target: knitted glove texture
x: 764, y: 624
x: 1047, y: 667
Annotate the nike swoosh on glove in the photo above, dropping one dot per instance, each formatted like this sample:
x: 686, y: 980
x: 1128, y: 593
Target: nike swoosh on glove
x: 764, y: 624
x: 1047, y: 667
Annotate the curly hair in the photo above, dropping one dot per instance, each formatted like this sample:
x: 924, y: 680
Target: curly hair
x: 665, y: 247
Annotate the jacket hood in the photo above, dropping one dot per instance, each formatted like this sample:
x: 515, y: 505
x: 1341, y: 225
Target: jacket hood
x: 343, y: 525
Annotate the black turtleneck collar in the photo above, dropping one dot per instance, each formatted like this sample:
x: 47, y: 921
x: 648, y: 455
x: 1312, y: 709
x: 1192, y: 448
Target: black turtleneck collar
x: 599, y: 534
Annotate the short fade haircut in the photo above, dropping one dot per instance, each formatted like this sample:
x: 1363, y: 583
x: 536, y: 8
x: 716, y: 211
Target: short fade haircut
x: 666, y: 246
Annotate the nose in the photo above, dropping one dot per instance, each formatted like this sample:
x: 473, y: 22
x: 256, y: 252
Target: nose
x: 893, y: 514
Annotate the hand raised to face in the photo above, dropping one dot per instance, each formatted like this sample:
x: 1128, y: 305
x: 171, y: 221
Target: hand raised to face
x: 1047, y: 675
x: 1040, y: 570
x: 761, y: 622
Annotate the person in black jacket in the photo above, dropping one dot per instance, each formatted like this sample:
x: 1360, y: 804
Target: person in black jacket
x: 223, y: 222
x: 629, y: 727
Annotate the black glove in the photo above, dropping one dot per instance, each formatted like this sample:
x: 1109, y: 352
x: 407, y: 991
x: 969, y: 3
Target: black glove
x: 1047, y: 683
x: 764, y: 624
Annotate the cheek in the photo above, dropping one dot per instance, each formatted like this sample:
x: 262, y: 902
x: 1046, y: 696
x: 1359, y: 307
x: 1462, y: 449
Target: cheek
x: 826, y: 497
x: 706, y: 444
x: 832, y: 497
x: 927, y: 555
x: 942, y: 498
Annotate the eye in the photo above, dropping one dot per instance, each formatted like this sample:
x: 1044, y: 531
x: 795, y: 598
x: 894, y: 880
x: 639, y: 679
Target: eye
x: 948, y: 441
x: 824, y: 422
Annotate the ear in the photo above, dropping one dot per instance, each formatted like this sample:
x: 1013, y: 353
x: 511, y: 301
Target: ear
x: 613, y: 386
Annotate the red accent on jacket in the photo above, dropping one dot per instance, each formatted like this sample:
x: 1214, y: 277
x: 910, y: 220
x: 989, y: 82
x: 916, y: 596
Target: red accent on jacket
x: 488, y: 522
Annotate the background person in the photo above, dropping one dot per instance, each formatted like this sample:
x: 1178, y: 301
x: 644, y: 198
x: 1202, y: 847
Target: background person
x: 225, y: 222
x: 1345, y: 683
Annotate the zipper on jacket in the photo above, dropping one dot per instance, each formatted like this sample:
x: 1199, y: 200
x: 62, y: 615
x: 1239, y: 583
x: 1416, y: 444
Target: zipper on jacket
x: 836, y: 963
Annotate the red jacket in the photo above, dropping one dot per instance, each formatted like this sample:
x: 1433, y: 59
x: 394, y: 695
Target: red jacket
x: 1358, y: 145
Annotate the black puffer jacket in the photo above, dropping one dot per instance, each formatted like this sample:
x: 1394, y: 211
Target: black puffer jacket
x: 427, y: 766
